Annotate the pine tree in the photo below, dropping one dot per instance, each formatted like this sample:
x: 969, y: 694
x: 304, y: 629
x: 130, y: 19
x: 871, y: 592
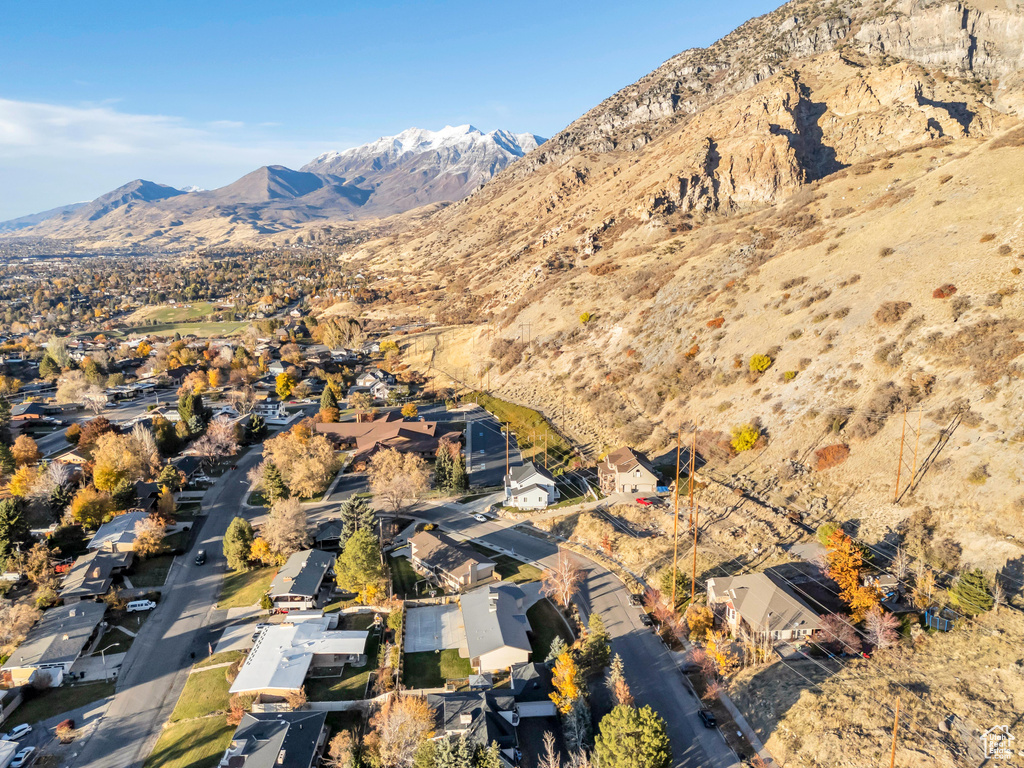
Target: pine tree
x: 48, y: 369
x: 632, y: 738
x: 597, y: 646
x: 124, y: 495
x: 7, y: 463
x: 442, y: 467
x: 273, y: 483
x: 971, y: 593
x: 558, y: 647
x: 489, y: 757
x: 5, y: 422
x: 458, y: 476
x: 328, y: 400
x: 356, y: 515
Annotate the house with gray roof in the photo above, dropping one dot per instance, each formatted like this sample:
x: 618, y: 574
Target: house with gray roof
x: 496, y: 627
x: 118, y: 535
x: 54, y: 644
x: 483, y: 717
x: 760, y: 604
x: 92, y: 575
x: 453, y: 565
x: 297, y: 585
x: 274, y: 739
x: 530, y: 487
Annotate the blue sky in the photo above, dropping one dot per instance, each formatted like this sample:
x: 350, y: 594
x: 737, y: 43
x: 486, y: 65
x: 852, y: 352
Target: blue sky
x: 96, y: 94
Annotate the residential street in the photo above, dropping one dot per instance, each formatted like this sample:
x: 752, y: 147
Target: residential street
x: 156, y: 667
x: 652, y: 674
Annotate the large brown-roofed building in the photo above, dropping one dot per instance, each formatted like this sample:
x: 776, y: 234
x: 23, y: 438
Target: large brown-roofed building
x: 456, y: 566
x: 389, y: 430
x: 626, y: 471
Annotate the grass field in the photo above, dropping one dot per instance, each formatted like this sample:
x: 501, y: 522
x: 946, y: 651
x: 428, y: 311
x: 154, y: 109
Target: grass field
x: 508, y: 567
x: 205, y: 693
x: 220, y: 658
x: 352, y: 683
x: 168, y: 313
x: 403, y: 577
x: 55, y: 701
x: 240, y: 589
x: 547, y: 624
x: 120, y: 640
x: 193, y: 744
x: 430, y: 670
x: 151, y: 572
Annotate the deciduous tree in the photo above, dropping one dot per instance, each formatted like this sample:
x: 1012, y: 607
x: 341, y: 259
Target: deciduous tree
x: 149, y: 537
x: 563, y: 581
x: 25, y: 451
x: 238, y: 544
x: 396, y: 477
x: 305, y: 461
x: 567, y: 681
x: 283, y: 385
x: 838, y: 634
x: 845, y: 563
x: 399, y: 727
x: 285, y: 530
x: 881, y: 627
x: 90, y: 507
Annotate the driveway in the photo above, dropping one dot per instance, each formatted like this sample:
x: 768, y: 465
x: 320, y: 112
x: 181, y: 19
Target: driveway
x: 435, y: 628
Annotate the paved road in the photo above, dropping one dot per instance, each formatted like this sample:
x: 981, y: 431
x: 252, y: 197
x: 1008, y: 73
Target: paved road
x: 485, y: 449
x: 651, y: 672
x: 155, y: 669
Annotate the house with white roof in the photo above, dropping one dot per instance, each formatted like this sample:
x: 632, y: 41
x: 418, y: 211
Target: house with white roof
x: 530, y: 487
x: 118, y: 535
x: 283, y: 654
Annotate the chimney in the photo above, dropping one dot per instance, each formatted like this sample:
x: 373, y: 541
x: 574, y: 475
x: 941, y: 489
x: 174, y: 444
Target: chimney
x: 72, y: 613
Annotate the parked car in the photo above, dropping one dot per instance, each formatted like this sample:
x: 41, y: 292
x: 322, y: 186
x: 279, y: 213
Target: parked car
x: 140, y: 605
x: 480, y: 518
x: 202, y: 479
x: 200, y: 557
x: 636, y: 599
x: 646, y: 620
x: 16, y: 732
x: 708, y: 718
x: 644, y: 502
x: 23, y: 758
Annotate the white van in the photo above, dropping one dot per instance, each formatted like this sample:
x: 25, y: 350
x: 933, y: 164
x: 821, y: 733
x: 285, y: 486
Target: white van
x: 141, y: 605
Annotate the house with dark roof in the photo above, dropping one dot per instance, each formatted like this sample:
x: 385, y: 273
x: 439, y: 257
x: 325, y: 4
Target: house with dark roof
x: 497, y: 630
x: 761, y: 604
x: 529, y: 486
x: 328, y: 534
x: 277, y: 740
x: 297, y: 585
x: 453, y: 565
x: 92, y: 575
x: 117, y: 535
x: 483, y: 717
x: 54, y: 644
x: 532, y: 688
x: 28, y: 412
x: 626, y: 471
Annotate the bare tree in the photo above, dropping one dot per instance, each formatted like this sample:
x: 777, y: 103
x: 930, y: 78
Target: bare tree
x: 999, y: 598
x: 881, y: 627
x: 837, y: 631
x: 243, y: 399
x: 562, y: 582
x: 143, y: 445
x: 550, y: 757
x: 901, y: 563
x: 396, y: 477
x: 149, y: 535
x: 285, y: 530
x: 219, y: 441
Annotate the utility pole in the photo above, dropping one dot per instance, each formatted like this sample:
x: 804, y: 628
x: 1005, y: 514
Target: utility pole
x: 693, y: 578
x: 899, y: 466
x: 895, y: 728
x: 506, y: 449
x: 693, y: 468
x: 694, y: 512
x: 675, y: 525
x: 545, y: 450
x: 917, y: 442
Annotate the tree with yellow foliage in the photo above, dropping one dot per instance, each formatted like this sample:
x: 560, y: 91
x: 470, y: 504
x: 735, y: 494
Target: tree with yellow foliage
x: 144, y: 349
x: 719, y: 648
x: 215, y: 377
x: 90, y: 507
x: 25, y: 451
x: 264, y: 553
x: 845, y: 563
x: 699, y: 619
x: 567, y: 681
x: 23, y: 480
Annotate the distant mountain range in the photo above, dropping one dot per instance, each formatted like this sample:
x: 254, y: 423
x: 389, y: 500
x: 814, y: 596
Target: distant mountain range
x: 388, y: 176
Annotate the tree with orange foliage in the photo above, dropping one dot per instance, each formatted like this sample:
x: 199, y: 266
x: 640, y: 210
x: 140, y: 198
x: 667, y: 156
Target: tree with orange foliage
x: 568, y: 683
x: 25, y: 451
x: 845, y: 563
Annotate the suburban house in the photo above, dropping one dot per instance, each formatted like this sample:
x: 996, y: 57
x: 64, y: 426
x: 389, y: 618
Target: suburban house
x: 328, y: 534
x: 482, y: 717
x: 380, y: 390
x: 297, y: 584
x: 389, y: 430
x: 271, y: 411
x: 28, y: 412
x: 283, y: 653
x: 496, y: 627
x: 454, y: 565
x: 758, y: 603
x: 626, y: 471
x: 119, y: 534
x: 54, y: 644
x: 532, y: 688
x: 266, y: 739
x: 92, y: 575
x: 529, y: 487
x: 189, y: 466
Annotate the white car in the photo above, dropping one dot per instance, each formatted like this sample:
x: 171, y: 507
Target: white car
x: 16, y: 732
x: 140, y: 605
x: 24, y: 757
x: 202, y: 479
x: 480, y: 518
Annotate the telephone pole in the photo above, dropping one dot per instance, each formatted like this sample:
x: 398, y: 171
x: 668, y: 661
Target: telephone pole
x: 675, y: 525
x: 899, y: 466
x: 895, y: 728
x: 694, y: 513
x: 545, y: 450
x: 506, y: 449
x: 917, y: 442
x: 693, y: 468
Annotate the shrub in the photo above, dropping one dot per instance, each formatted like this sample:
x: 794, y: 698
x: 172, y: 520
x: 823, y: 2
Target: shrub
x: 585, y: 317
x: 887, y: 251
x: 692, y: 351
x: 978, y: 475
x: 789, y: 375
x: 718, y: 322
x: 944, y: 292
x: 744, y: 437
x: 825, y: 531
x: 891, y: 312
x: 1004, y: 250
x: 760, y: 363
x: 73, y: 433
x: 987, y: 238
x: 794, y: 335
x: 1015, y: 271
x: 831, y: 456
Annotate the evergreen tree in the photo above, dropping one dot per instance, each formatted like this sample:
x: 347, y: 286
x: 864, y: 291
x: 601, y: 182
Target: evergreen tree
x: 442, y: 467
x: 60, y: 498
x: 453, y: 753
x: 7, y: 463
x: 558, y: 647
x: 169, y: 478
x: 489, y: 757
x: 632, y: 738
x: 327, y: 399
x: 971, y: 593
x: 238, y: 544
x: 273, y: 483
x: 458, y: 476
x: 13, y: 527
x: 5, y: 422
x: 48, y: 369
x: 257, y: 427
x: 356, y: 515
x: 597, y: 646
x: 358, y: 567
x: 124, y: 495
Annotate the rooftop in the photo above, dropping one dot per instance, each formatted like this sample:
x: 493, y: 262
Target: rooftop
x: 525, y: 472
x: 92, y: 573
x: 495, y: 618
x: 437, y: 550
x: 764, y: 603
x: 271, y: 739
x: 59, y: 636
x: 120, y: 530
x: 302, y: 574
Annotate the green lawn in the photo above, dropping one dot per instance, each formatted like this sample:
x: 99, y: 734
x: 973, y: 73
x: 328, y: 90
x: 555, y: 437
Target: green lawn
x: 56, y: 701
x: 242, y: 589
x: 205, y: 693
x: 220, y: 658
x: 403, y: 577
x: 193, y: 744
x: 354, y: 622
x: 257, y: 499
x: 352, y: 683
x: 151, y: 572
x: 546, y: 623
x: 508, y: 567
x: 121, y: 640
x: 430, y: 670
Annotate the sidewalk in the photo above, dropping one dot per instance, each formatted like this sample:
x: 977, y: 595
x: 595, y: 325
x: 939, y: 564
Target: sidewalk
x: 91, y: 669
